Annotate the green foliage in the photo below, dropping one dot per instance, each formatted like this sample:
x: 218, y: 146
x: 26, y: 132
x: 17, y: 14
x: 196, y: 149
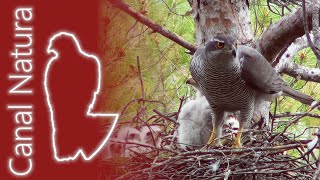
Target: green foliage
x: 262, y: 18
x: 165, y: 65
x: 306, y: 58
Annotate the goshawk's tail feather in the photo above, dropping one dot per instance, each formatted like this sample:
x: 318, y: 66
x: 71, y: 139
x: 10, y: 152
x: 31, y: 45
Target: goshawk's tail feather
x: 303, y: 98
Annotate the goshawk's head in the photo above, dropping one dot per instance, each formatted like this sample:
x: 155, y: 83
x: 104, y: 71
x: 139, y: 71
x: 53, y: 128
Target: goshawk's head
x: 221, y: 48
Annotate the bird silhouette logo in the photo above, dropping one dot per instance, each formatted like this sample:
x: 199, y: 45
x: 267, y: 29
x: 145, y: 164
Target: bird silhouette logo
x: 72, y: 81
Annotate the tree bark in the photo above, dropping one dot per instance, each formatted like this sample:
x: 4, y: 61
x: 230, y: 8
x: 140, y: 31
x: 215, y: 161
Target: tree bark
x: 221, y: 17
x: 300, y: 72
x: 282, y: 33
x: 288, y: 66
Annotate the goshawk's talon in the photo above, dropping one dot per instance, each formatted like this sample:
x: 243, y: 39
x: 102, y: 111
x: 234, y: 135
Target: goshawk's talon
x: 218, y: 144
x: 205, y: 147
x: 237, y: 145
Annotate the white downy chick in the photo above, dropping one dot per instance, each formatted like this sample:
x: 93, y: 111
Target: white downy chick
x: 150, y: 135
x: 195, y: 122
x: 232, y: 126
x: 118, y: 147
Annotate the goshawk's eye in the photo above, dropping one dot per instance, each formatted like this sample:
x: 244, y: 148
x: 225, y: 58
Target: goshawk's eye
x: 220, y: 45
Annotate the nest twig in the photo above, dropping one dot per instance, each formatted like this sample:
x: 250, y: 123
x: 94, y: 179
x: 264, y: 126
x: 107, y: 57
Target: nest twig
x: 265, y: 156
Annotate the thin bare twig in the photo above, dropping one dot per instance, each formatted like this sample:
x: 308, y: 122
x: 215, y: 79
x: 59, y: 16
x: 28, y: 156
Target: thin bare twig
x: 274, y: 114
x: 153, y: 25
x: 140, y: 78
x: 290, y: 114
x: 163, y: 116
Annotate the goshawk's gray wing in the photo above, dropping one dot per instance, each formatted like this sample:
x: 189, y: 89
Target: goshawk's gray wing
x: 257, y: 72
x: 197, y: 58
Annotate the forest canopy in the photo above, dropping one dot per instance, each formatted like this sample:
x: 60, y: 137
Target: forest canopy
x: 165, y: 65
x: 147, y: 47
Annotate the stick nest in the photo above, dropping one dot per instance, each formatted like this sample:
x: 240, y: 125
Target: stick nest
x: 265, y: 155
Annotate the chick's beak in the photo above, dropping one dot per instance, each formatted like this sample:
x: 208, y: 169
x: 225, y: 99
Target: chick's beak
x: 191, y: 81
x: 234, y: 50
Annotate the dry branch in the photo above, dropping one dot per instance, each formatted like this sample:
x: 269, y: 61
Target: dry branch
x: 153, y: 25
x: 286, y: 65
x: 289, y: 114
x: 301, y: 72
x: 283, y: 33
x: 315, y: 25
x: 317, y: 174
x: 306, y: 26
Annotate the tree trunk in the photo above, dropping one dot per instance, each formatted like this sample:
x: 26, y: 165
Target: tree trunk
x: 214, y: 17
x: 231, y: 17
